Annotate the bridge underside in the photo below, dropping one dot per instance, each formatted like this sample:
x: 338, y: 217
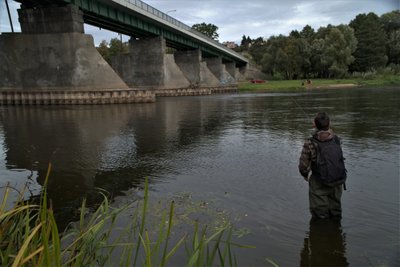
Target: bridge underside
x: 108, y: 15
x: 53, y: 62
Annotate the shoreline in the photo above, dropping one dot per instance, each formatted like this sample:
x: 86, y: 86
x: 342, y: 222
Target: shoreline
x: 334, y: 86
x: 285, y: 85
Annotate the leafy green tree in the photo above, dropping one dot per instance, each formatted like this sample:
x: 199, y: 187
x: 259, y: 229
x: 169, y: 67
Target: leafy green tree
x: 104, y: 50
x: 285, y: 56
x: 209, y: 30
x: 391, y: 25
x: 332, y: 51
x: 294, y: 34
x: 340, y: 43
x: 281, y: 62
x: 307, y: 33
x: 317, y: 50
x: 246, y: 42
x: 393, y: 47
x: 303, y: 41
x: 371, y: 49
x: 257, y: 50
x: 305, y: 53
x: 108, y: 50
x: 270, y: 62
x: 117, y: 47
x: 293, y: 51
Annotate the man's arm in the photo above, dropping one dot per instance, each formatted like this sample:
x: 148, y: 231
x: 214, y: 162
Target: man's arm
x: 305, y: 160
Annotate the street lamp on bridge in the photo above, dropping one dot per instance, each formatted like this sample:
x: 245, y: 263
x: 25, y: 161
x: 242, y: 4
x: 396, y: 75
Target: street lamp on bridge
x: 172, y: 10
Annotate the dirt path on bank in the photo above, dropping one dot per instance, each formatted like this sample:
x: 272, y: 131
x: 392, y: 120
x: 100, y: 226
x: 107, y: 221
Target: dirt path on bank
x: 343, y: 85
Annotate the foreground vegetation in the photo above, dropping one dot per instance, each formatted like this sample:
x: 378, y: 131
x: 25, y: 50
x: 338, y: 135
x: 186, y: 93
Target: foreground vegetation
x: 29, y: 236
x: 364, y: 80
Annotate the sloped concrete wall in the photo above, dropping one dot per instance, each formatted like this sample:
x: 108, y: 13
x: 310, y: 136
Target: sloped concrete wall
x: 53, y: 53
x: 173, y: 75
x: 62, y: 61
x: 227, y: 79
x: 240, y: 74
x: 207, y: 78
x: 190, y: 63
x: 231, y: 69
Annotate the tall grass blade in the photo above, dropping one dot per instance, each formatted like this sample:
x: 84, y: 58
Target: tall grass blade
x: 171, y: 215
x: 146, y: 192
x: 221, y: 258
x: 160, y: 236
x: 272, y: 262
x: 19, y: 258
x: 55, y: 240
x: 5, y: 197
x: 147, y: 246
x: 132, y: 230
x: 32, y: 255
x: 210, y: 257
x: 175, y: 248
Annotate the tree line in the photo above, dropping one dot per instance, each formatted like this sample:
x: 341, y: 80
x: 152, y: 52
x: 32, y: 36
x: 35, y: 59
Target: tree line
x: 367, y: 43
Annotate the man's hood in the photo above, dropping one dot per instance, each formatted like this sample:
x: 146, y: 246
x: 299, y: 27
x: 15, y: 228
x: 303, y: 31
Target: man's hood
x: 324, y: 135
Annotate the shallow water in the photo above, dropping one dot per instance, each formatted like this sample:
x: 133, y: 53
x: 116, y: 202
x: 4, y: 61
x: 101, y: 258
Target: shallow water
x: 237, y: 152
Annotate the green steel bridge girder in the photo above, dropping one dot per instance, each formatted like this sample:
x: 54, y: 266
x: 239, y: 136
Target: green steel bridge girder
x: 100, y: 14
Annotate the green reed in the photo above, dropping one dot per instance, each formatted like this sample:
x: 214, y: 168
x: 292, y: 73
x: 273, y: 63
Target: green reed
x: 29, y: 236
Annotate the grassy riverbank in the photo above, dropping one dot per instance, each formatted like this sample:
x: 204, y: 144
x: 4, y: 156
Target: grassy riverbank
x: 384, y: 80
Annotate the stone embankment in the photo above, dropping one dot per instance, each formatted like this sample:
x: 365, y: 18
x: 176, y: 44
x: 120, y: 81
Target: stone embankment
x: 112, y: 96
x: 75, y: 97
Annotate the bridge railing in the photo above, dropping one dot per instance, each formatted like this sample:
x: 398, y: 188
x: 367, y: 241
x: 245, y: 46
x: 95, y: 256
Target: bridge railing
x: 140, y: 4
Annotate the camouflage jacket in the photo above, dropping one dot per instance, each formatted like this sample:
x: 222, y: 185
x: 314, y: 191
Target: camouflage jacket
x: 308, y: 153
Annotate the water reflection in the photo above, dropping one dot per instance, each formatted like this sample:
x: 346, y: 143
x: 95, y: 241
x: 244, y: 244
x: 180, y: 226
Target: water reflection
x: 325, y: 245
x: 112, y: 147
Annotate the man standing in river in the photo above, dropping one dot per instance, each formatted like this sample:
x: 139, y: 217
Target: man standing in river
x: 322, y: 157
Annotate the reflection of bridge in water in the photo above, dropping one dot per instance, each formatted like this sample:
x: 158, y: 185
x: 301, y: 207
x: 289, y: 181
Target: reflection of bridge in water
x: 113, y: 147
x: 52, y: 61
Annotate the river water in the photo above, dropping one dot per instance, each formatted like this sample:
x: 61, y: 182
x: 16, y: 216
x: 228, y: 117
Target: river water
x: 235, y: 153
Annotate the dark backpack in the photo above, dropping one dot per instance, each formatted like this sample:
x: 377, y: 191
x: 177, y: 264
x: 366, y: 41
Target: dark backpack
x: 329, y: 166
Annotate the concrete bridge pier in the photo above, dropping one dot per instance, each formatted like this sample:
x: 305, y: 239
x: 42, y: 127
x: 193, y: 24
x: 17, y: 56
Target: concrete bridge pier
x: 53, y: 62
x: 194, y: 69
x: 219, y: 70
x: 231, y: 69
x: 148, y: 66
x: 183, y: 73
x: 240, y: 73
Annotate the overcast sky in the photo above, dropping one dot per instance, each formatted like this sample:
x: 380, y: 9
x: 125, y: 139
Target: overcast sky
x: 254, y: 18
